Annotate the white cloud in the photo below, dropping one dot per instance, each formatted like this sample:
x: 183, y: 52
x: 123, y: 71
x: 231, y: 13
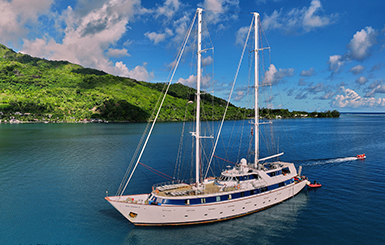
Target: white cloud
x: 359, y: 49
x: 218, y: 8
x: 139, y: 73
x: 16, y: 14
x: 379, y: 88
x: 361, y: 80
x: 319, y: 87
x: 273, y: 76
x: 269, y: 75
x: 207, y: 61
x: 168, y: 9
x: 335, y: 63
x: 308, y: 73
x: 241, y: 35
x: 298, y: 20
x: 362, y: 41
x: 357, y: 69
x: 311, y: 20
x: 192, y: 80
x: 117, y: 52
x: 351, y: 99
x: 239, y: 95
x: 87, y: 37
x: 158, y: 37
x: 273, y: 21
x: 180, y: 28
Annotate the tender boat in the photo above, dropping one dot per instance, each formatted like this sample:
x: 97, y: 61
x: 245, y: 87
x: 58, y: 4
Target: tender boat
x: 246, y: 188
x: 314, y: 185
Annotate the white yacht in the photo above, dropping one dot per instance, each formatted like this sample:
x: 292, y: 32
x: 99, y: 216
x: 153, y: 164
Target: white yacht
x: 246, y: 188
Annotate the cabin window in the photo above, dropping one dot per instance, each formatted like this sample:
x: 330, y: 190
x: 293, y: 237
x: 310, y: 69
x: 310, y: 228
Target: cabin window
x: 242, y: 194
x: 272, y: 174
x: 218, y: 198
x: 255, y: 176
x: 281, y: 184
x: 229, y: 197
x: 187, y: 201
x: 252, y: 192
x: 286, y: 171
x: 203, y: 200
x: 263, y: 189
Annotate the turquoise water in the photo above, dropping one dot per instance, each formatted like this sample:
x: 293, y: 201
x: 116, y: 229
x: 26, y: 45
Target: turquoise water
x: 54, y: 177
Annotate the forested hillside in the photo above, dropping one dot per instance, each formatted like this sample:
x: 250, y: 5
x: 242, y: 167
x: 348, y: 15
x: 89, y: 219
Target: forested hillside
x: 36, y: 90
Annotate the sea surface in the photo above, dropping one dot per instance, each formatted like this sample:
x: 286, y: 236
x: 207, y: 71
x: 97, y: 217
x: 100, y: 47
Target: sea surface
x: 54, y: 177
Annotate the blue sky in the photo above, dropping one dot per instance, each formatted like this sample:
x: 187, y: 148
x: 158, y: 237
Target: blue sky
x: 325, y: 55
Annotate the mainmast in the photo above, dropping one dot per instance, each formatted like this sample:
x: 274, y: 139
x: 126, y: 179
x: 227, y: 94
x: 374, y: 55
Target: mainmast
x: 197, y: 133
x: 256, y: 91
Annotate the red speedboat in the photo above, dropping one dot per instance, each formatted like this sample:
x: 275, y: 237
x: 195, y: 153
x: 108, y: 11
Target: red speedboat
x: 362, y: 156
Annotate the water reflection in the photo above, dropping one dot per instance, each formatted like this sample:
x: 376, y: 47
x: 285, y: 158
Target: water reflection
x: 266, y: 227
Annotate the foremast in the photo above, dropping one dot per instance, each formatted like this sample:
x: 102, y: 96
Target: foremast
x: 256, y: 97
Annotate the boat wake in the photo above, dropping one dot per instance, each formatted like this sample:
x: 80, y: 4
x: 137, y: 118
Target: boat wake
x: 316, y: 162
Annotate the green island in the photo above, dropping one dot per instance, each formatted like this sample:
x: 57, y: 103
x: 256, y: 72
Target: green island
x: 40, y: 90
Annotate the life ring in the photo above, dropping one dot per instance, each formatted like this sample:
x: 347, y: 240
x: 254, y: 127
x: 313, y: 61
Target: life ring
x: 238, y: 186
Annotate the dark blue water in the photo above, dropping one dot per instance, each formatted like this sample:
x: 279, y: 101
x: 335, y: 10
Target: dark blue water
x: 53, y: 179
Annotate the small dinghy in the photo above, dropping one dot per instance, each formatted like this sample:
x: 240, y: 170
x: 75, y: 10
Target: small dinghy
x: 315, y: 184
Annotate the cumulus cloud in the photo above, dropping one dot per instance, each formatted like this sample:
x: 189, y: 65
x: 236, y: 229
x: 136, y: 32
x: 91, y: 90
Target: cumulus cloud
x: 362, y: 41
x: 308, y: 73
x: 377, y: 86
x: 207, y: 61
x: 158, y: 37
x: 117, y: 52
x: 87, y: 37
x: 336, y: 62
x: 239, y: 95
x: 218, y: 8
x: 139, y: 72
x: 192, y: 80
x: 359, y: 48
x: 274, y: 76
x: 357, y: 69
x: 319, y: 87
x: 241, y: 35
x: 299, y: 20
x: 361, y: 80
x: 16, y: 14
x: 351, y: 99
x: 168, y: 9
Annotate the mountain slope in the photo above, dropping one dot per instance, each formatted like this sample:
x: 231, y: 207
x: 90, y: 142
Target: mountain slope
x: 61, y: 91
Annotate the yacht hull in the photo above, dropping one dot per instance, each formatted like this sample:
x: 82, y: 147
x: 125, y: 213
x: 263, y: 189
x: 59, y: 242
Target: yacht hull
x: 137, y: 212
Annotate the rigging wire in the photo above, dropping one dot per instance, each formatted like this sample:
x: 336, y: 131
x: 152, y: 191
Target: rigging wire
x: 158, y: 172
